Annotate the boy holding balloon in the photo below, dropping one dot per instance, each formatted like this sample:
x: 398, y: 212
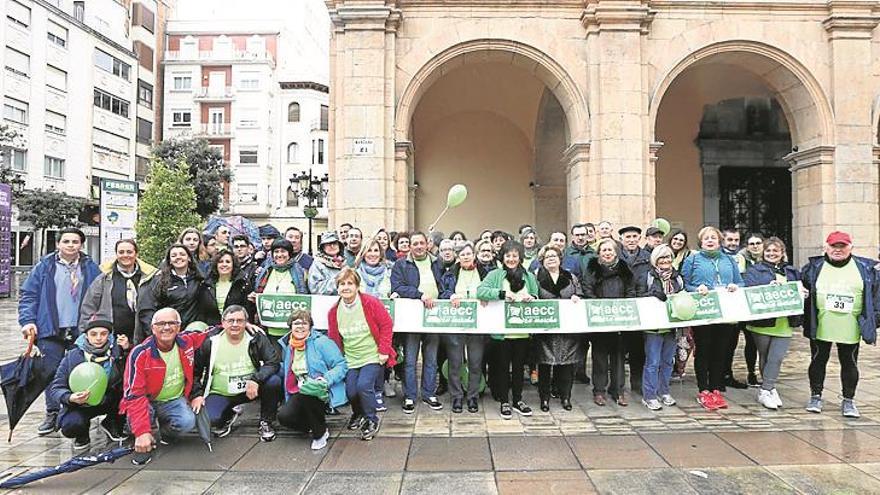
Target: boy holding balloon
x: 88, y: 383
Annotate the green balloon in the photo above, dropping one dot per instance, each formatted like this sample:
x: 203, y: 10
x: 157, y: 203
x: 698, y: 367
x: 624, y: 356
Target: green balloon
x: 684, y: 307
x: 444, y: 370
x: 92, y: 377
x: 457, y: 195
x: 662, y: 224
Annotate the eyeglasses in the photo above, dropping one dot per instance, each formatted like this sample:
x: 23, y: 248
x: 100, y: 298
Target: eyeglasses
x: 240, y: 246
x: 166, y: 324
x: 235, y: 321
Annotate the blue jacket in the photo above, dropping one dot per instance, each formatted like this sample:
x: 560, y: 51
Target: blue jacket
x: 323, y: 358
x: 869, y: 317
x: 450, y: 279
x: 59, y: 389
x: 405, y: 278
x: 699, y: 269
x: 37, y: 302
x: 762, y: 274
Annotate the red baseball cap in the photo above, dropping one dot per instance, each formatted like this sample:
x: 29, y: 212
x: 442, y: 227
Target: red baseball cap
x: 838, y: 237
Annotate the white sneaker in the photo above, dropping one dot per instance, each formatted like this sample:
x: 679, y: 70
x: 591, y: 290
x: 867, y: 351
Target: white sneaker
x: 320, y: 443
x: 652, y: 404
x: 765, y: 398
x: 776, y: 397
x: 667, y: 400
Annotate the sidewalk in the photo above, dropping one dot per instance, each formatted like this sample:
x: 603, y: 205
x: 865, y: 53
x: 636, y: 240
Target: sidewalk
x: 681, y: 449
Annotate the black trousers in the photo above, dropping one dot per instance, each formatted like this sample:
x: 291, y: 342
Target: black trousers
x: 712, y: 344
x: 750, y: 352
x: 509, y: 356
x: 304, y: 413
x: 847, y: 355
x: 634, y: 346
x: 608, y: 359
x: 561, y: 376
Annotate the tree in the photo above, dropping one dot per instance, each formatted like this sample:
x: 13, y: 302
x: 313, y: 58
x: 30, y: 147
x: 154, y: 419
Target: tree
x: 46, y: 208
x: 205, y: 167
x: 167, y: 207
x: 9, y: 139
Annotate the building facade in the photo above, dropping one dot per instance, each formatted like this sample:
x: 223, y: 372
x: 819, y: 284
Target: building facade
x: 554, y: 112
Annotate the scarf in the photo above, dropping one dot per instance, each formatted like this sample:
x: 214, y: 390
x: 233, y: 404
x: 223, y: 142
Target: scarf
x: 283, y: 267
x: 130, y: 286
x: 666, y: 277
x: 515, y: 277
x: 372, y: 276
x: 331, y: 261
x: 714, y: 253
x: 297, y: 344
x: 545, y: 280
x: 72, y: 268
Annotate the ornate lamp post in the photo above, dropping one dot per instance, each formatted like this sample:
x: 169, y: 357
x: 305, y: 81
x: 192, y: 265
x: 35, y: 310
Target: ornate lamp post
x: 312, y: 188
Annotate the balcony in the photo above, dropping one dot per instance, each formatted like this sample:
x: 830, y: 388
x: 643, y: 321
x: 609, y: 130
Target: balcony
x: 214, y: 130
x: 214, y: 94
x: 216, y: 56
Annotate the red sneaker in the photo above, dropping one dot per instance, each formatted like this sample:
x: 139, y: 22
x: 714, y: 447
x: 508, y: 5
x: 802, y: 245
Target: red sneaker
x: 707, y: 400
x: 720, y: 403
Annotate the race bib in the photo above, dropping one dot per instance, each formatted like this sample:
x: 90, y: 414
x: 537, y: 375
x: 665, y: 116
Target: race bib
x: 237, y: 384
x: 839, y: 303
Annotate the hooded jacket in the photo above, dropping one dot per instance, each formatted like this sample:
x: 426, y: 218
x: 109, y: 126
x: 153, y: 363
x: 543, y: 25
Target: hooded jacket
x: 761, y: 273
x: 98, y: 301
x: 870, y: 315
x: 262, y: 352
x: 59, y: 389
x: 323, y: 359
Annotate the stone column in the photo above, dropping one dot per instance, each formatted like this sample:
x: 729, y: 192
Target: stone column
x: 850, y: 27
x: 813, y: 193
x: 403, y: 181
x: 363, y: 167
x: 581, y: 178
x: 617, y: 188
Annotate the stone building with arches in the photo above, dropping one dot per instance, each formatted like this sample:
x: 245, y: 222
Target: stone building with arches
x: 761, y: 115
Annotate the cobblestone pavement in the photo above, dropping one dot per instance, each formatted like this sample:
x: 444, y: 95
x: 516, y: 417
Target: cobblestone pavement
x: 681, y: 449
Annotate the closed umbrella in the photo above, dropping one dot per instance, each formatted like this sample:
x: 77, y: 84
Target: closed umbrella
x: 69, y: 466
x: 22, y: 381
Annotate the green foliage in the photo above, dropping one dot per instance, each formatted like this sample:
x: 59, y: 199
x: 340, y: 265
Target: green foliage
x: 167, y: 207
x: 205, y: 168
x: 44, y: 209
x: 9, y: 138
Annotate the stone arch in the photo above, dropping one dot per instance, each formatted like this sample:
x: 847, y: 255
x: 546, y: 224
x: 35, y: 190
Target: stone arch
x: 802, y: 98
x: 547, y: 70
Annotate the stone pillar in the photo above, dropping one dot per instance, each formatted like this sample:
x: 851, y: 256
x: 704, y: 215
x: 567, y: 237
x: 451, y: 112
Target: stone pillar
x: 403, y: 182
x: 850, y: 27
x: 581, y: 177
x: 813, y: 194
x: 617, y: 188
x: 363, y: 167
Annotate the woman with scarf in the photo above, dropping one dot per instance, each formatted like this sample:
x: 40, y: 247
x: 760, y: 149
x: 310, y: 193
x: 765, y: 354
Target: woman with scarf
x: 327, y: 264
x: 557, y: 353
x: 608, y: 278
x: 180, y: 285
x: 113, y: 296
x: 772, y: 336
x: 511, y: 283
x: 461, y: 282
x: 662, y: 281
x: 227, y: 284
x: 95, y: 345
x: 283, y: 276
x: 485, y: 252
x: 192, y: 239
x: 705, y: 270
x: 313, y: 373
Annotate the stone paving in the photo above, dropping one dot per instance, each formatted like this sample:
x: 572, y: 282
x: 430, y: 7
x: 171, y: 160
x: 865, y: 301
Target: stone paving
x: 591, y: 449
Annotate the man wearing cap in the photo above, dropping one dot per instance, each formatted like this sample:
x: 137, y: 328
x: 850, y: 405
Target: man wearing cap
x: 268, y: 234
x: 843, y: 308
x: 328, y: 262
x: 639, y: 262
x: 653, y: 238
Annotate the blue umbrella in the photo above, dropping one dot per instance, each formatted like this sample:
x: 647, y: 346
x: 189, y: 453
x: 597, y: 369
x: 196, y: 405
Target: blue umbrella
x: 22, y: 381
x: 237, y: 225
x: 74, y: 464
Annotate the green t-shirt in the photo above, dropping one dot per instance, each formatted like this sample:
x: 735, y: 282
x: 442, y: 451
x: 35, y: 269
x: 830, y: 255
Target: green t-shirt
x: 839, y: 301
x: 223, y: 287
x: 279, y: 282
x: 357, y: 340
x: 232, y: 367
x: 172, y: 385
x: 780, y: 328
x: 467, y: 283
x: 505, y: 285
x: 299, y: 365
x: 427, y: 284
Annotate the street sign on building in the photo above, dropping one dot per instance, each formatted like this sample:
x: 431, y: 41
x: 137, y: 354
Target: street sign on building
x: 118, y: 213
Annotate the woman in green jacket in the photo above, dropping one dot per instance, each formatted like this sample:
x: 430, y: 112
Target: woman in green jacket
x: 510, y: 283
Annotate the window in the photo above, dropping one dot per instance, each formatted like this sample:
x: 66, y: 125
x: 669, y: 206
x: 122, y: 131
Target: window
x: 55, y: 123
x: 145, y: 94
x: 318, y: 151
x: 18, y: 62
x: 181, y: 118
x: 181, y: 82
x: 293, y: 196
x: 293, y: 112
x: 54, y: 167
x: 247, y: 193
x: 142, y: 167
x: 248, y: 156
x: 111, y: 103
x: 112, y: 64
x: 144, y: 131
x: 325, y: 117
x: 250, y: 81
x: 144, y: 55
x: 15, y: 110
x: 18, y: 160
x: 18, y: 14
x: 79, y: 10
x: 57, y: 34
x: 142, y: 16
x: 292, y: 150
x: 56, y: 78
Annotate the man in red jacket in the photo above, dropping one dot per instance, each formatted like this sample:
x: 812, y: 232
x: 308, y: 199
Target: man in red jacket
x: 158, y: 381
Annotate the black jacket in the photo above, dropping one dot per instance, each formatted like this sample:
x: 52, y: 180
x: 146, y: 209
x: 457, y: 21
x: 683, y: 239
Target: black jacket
x: 762, y: 273
x: 559, y: 348
x: 603, y: 282
x: 191, y: 299
x: 639, y: 264
x: 237, y: 295
x: 262, y: 350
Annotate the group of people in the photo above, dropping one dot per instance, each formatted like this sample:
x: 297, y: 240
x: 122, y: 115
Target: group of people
x: 183, y: 339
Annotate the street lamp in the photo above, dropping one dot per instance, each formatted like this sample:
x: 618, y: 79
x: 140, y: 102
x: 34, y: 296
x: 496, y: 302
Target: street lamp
x: 310, y: 187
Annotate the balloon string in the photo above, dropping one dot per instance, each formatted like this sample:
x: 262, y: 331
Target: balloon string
x: 431, y: 228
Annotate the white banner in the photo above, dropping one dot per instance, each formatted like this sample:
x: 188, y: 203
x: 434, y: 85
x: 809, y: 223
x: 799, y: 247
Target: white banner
x: 560, y: 316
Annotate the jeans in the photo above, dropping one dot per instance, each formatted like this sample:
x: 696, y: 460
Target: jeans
x: 428, y: 343
x: 507, y: 380
x: 175, y: 417
x: 659, y: 358
x: 360, y: 387
x: 771, y: 351
x: 455, y: 345
x: 847, y: 355
x: 608, y: 357
x: 75, y: 421
x: 219, y: 406
x: 304, y: 413
x: 561, y: 376
x: 53, y: 349
x: 711, y: 343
